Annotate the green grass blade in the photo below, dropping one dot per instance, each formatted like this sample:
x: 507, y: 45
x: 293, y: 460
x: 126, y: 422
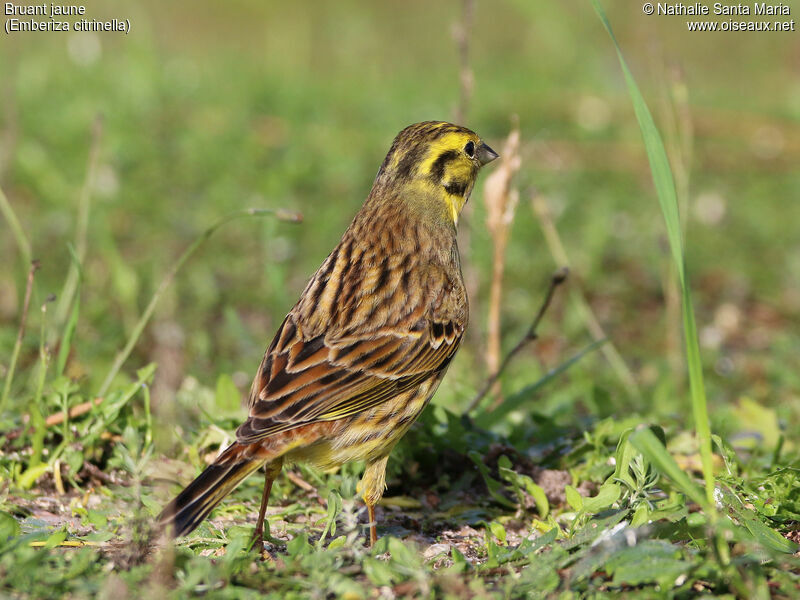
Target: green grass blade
x: 19, y: 235
x: 66, y: 339
x: 513, y: 402
x: 668, y: 198
x: 37, y: 408
x: 656, y: 154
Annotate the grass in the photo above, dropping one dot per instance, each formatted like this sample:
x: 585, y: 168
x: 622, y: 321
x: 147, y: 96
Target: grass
x: 668, y: 199
x: 123, y: 355
x: 573, y: 485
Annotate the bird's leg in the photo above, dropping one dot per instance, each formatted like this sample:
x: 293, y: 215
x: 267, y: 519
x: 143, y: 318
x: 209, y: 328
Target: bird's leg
x: 372, y: 485
x: 373, y: 525
x: 271, y: 471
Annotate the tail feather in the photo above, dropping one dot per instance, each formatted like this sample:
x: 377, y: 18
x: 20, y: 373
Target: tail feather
x: 200, y: 497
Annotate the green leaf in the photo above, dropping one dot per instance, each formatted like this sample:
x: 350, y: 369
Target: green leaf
x: 606, y: 496
x: 498, y: 531
x: 540, y: 578
x: 74, y: 460
x: 97, y: 519
x: 235, y: 545
x: 492, y: 554
x: 763, y: 534
x: 457, y: 556
x: 9, y: 528
x: 378, y: 572
x: 404, y: 554
x: 539, y: 497
x: 641, y: 515
x: 545, y: 539
x: 574, y: 498
x: 755, y: 417
x: 334, y: 507
x: 227, y: 398
x: 338, y: 542
x: 696, y: 520
x: 522, y: 483
x: 116, y: 400
x: 648, y: 444
x: 647, y: 562
x: 55, y: 539
x: 728, y: 456
x: 298, y: 546
x: 494, y: 486
x: 766, y: 536
x: 623, y: 457
x: 29, y: 477
x: 593, y: 529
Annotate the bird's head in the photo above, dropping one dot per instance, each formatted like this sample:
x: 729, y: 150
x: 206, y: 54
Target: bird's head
x: 433, y: 165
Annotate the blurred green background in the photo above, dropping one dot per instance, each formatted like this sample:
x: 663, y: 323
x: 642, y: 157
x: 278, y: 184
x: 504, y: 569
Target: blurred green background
x: 211, y: 107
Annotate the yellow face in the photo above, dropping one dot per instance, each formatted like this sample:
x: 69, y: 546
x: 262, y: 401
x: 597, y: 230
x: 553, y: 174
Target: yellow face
x: 440, y: 158
x: 451, y: 159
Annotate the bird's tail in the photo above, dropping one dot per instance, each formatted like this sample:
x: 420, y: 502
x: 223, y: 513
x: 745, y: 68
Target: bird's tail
x: 200, y: 497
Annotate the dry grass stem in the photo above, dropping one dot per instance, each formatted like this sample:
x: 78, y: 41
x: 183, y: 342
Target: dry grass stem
x: 558, y: 278
x: 59, y: 417
x: 16, y: 229
x: 300, y: 482
x: 501, y: 203
x: 461, y: 31
x: 466, y: 79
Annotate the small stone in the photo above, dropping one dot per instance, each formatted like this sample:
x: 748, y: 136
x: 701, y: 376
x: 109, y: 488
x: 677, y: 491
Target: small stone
x: 436, y: 550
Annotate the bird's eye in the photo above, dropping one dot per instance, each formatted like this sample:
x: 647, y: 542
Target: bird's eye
x: 470, y: 148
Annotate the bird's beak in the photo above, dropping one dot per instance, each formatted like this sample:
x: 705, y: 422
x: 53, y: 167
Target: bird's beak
x: 485, y: 155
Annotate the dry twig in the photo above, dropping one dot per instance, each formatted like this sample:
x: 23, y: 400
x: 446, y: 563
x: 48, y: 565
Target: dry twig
x: 558, y: 278
x: 300, y: 482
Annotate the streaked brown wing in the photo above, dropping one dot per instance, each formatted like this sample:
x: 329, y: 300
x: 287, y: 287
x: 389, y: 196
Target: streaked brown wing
x: 323, y: 379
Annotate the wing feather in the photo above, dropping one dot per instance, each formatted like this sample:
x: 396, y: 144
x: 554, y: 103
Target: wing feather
x: 324, y: 378
x: 369, y: 325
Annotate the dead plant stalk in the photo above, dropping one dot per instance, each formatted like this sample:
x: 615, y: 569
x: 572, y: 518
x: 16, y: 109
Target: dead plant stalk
x: 20, y: 334
x: 461, y: 35
x: 501, y: 203
x: 530, y: 336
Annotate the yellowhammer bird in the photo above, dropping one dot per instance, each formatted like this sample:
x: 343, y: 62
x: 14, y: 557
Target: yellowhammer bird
x: 358, y: 357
